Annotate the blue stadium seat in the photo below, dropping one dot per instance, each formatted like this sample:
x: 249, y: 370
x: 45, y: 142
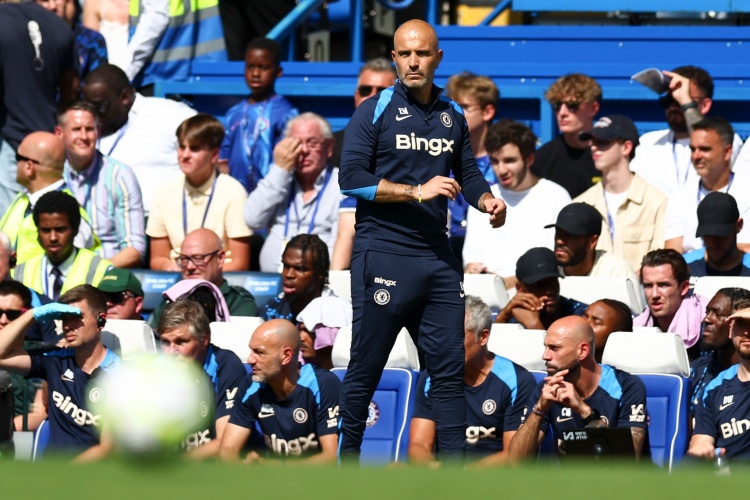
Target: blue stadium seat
x: 667, y: 403
x: 387, y: 434
x: 154, y: 283
x: 41, y: 438
x: 263, y: 286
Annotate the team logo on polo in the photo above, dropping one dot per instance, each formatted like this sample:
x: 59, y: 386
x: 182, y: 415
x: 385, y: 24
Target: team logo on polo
x: 489, y: 407
x: 446, y: 119
x: 373, y: 414
x: 95, y: 395
x: 637, y: 413
x: 300, y: 415
x: 382, y: 297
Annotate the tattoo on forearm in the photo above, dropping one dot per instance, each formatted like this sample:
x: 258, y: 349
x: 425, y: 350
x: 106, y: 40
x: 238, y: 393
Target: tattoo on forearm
x: 639, y: 435
x: 409, y: 191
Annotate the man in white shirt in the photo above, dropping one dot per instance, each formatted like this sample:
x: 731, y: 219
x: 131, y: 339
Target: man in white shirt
x: 663, y: 157
x: 534, y: 202
x: 633, y: 210
x: 711, y: 154
x: 136, y: 130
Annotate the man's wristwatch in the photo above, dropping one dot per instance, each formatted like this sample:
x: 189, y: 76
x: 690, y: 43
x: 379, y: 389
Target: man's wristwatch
x: 689, y: 105
x: 593, y: 416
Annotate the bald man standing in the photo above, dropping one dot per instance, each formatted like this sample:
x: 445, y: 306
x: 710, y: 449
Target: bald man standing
x: 40, y: 160
x: 400, y: 148
x: 296, y: 409
x: 578, y: 392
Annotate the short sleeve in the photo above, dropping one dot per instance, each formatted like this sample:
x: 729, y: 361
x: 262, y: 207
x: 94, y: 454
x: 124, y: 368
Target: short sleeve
x: 328, y: 408
x: 633, y: 403
x: 244, y: 413
x: 230, y: 378
x: 515, y: 410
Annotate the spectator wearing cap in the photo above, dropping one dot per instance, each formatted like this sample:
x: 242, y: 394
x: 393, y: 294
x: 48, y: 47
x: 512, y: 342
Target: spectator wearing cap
x: 672, y: 307
x: 633, y: 210
x: 711, y: 146
x: 537, y: 302
x: 576, y: 234
x: 319, y: 325
x: 719, y: 222
x: 124, y: 294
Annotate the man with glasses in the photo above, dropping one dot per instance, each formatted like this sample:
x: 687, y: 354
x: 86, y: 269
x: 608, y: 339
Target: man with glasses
x: 105, y: 188
x: 300, y: 193
x: 202, y: 257
x: 40, y: 160
x: 136, y: 130
x: 566, y: 159
x: 663, y: 156
x: 632, y: 210
x: 124, y: 294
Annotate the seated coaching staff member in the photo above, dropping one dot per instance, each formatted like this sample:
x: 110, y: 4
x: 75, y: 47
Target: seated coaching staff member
x: 579, y: 392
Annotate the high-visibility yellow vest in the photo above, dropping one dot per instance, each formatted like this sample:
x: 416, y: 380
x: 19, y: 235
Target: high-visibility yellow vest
x: 87, y: 268
x: 18, y: 224
x: 194, y: 33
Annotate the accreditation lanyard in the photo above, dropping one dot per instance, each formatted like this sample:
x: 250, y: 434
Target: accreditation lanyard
x: 208, y: 204
x: 120, y: 133
x: 293, y: 203
x: 677, y: 164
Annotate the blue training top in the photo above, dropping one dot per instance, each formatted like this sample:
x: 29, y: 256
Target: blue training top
x: 393, y: 136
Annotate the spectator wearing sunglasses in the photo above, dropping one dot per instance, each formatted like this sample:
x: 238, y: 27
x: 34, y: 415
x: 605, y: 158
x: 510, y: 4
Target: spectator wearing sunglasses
x: 256, y: 124
x: 124, y: 294
x: 663, y: 157
x: 566, y: 159
x: 202, y: 257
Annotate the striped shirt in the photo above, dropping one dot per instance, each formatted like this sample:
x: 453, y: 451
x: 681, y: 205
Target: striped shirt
x: 109, y: 192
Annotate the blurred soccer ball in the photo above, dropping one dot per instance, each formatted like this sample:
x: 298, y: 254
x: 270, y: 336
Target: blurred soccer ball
x: 151, y: 404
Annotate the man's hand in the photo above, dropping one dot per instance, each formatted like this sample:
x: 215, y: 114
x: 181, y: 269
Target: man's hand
x: 440, y: 186
x: 475, y: 268
x: 550, y: 390
x: 703, y: 446
x: 286, y: 152
x: 567, y: 396
x: 495, y: 207
x: 679, y: 87
x: 525, y: 308
x: 54, y: 311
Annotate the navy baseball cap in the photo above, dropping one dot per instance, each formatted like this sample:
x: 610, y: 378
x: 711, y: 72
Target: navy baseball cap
x: 609, y: 128
x: 717, y: 215
x: 537, y: 264
x: 578, y: 219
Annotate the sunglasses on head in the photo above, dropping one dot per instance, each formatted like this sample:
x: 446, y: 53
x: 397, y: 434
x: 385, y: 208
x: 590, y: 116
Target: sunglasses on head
x: 571, y: 105
x: 367, y: 90
x: 117, y: 298
x: 12, y: 314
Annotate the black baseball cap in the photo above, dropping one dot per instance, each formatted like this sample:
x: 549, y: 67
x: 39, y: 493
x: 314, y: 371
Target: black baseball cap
x: 717, y: 215
x: 537, y: 264
x: 578, y: 219
x: 609, y: 128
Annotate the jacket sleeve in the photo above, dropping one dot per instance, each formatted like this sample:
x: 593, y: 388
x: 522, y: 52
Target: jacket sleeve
x: 356, y: 177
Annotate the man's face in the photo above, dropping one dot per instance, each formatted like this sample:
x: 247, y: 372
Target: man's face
x: 4, y: 264
x: 510, y: 167
x: 180, y: 342
x: 298, y: 277
x: 473, y: 111
x: 741, y: 337
x: 123, y: 305
x: 307, y: 343
x: 195, y: 160
x: 54, y: 6
x: 55, y: 236
x: 79, y: 135
x: 202, y: 260
x: 80, y: 330
x: 547, y: 290
x: 416, y: 56
x: 674, y: 115
x: 10, y: 304
x: 472, y: 342
x: 710, y: 156
x: 719, y: 248
x: 261, y: 72
x: 663, y: 293
x: 715, y: 324
x: 25, y: 156
x: 606, y: 154
x: 113, y: 105
x: 560, y: 352
x: 266, y: 356
x: 573, y: 115
x: 603, y: 320
x: 316, y: 149
x: 570, y: 249
x: 370, y: 83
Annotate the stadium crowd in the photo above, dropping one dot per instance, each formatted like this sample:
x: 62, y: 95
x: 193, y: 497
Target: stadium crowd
x: 98, y: 178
